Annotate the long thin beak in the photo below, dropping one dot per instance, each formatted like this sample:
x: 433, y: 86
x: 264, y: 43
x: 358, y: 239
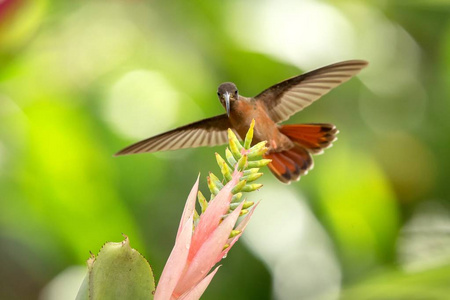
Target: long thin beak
x: 227, y: 103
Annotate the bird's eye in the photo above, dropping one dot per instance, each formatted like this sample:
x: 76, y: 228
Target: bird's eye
x: 236, y: 92
x: 218, y: 94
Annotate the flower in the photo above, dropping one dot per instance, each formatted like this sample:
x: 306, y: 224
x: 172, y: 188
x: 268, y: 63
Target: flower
x: 185, y: 275
x: 202, y: 241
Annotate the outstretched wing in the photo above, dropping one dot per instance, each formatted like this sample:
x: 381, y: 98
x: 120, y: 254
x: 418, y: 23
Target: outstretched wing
x: 207, y: 132
x: 292, y: 95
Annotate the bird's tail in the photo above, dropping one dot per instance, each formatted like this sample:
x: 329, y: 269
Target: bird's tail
x: 308, y: 139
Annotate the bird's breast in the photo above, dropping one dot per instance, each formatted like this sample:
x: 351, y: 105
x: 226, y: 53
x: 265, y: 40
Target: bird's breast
x: 241, y: 116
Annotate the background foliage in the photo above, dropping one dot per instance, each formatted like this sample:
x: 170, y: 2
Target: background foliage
x: 79, y: 80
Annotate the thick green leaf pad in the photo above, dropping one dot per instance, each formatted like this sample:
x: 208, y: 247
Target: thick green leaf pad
x: 118, y: 272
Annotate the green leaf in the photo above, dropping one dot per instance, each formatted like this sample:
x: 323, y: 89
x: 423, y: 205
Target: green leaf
x: 118, y: 272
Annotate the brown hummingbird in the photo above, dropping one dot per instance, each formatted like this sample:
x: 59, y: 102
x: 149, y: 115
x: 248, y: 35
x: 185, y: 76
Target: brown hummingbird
x: 290, y: 146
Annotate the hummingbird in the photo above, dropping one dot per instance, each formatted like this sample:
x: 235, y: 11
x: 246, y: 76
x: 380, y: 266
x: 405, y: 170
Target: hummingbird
x: 290, y: 147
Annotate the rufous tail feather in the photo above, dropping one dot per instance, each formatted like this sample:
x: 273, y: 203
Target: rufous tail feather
x: 308, y: 139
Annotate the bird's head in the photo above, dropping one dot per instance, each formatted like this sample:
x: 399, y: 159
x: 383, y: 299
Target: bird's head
x: 227, y: 93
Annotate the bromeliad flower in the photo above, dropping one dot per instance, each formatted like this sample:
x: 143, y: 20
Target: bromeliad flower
x: 203, y: 240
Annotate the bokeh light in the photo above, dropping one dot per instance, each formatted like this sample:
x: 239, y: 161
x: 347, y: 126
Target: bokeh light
x: 287, y: 237
x: 135, y: 97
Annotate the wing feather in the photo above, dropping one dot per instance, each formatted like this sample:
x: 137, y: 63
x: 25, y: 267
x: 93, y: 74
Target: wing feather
x: 207, y: 132
x: 304, y: 89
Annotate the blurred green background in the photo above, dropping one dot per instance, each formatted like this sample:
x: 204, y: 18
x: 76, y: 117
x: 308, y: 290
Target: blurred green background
x: 79, y: 80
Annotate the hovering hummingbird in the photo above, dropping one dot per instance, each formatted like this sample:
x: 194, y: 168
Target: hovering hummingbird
x: 290, y: 146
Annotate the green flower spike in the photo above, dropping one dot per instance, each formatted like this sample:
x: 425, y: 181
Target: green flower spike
x: 212, y: 186
x: 216, y: 180
x: 224, y: 168
x: 250, y: 171
x: 252, y: 177
x: 235, y: 146
x: 243, y: 212
x: 196, y: 219
x: 239, y: 158
x: 236, y: 198
x: 249, y: 136
x: 258, y: 163
x: 247, y: 204
x: 251, y: 187
x: 242, y: 163
x: 241, y: 184
x: 230, y: 158
x: 203, y: 202
x: 234, y: 233
x: 258, y: 150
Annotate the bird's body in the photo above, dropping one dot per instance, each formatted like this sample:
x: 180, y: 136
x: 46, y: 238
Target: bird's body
x: 290, y: 146
x: 244, y: 111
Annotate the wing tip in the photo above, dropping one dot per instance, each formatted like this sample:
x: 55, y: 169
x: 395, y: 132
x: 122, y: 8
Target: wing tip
x: 131, y: 149
x: 361, y: 62
x: 122, y: 153
x: 118, y: 154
